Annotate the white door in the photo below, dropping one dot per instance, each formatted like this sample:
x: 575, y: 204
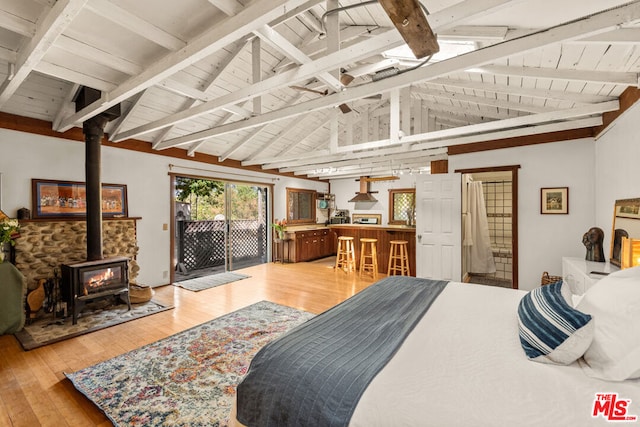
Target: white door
x: 438, y: 226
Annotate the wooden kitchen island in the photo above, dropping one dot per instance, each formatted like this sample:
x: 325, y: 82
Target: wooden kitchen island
x: 384, y: 234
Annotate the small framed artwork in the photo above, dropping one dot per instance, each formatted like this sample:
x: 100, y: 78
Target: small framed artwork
x: 554, y: 200
x: 68, y: 199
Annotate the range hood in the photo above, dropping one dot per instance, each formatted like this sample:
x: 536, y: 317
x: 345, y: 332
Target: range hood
x: 364, y: 195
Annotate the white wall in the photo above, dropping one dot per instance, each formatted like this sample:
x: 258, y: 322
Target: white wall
x: 346, y: 189
x: 618, y: 162
x: 544, y: 239
x: 24, y: 156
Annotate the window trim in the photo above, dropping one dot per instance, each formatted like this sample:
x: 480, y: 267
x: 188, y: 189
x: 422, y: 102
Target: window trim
x: 392, y: 193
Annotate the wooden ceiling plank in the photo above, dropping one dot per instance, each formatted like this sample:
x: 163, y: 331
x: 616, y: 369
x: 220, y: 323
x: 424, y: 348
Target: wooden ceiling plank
x: 66, y: 107
x: 481, y: 100
x: 238, y: 145
x: 135, y: 24
x: 532, y: 119
x: 285, y: 79
x: 256, y: 68
x: 592, y: 25
x: 292, y: 127
x: 320, y: 163
x: 97, y: 55
x: 288, y: 147
x: 69, y: 75
x: 608, y: 77
x: 474, y: 32
x: 231, y: 151
x: 117, y: 124
x: 229, y: 7
x: 259, y: 13
x: 235, y: 50
x: 348, y: 37
x: 53, y: 24
x: 18, y: 25
x: 323, y: 156
x: 617, y: 36
x: 276, y: 41
x: 512, y: 133
x: 8, y: 55
x: 581, y: 98
x: 411, y: 21
x: 446, y: 18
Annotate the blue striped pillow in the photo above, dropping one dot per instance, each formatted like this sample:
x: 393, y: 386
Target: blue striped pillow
x: 551, y: 331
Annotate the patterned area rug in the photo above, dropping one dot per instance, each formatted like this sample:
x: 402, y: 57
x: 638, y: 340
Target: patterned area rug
x: 187, y: 379
x: 95, y: 316
x: 206, y: 282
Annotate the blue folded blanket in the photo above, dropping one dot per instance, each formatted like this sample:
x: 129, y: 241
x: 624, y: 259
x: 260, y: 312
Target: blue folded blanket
x: 316, y: 374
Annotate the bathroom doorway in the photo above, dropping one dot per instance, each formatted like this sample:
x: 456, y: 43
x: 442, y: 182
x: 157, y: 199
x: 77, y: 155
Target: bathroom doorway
x: 489, y: 218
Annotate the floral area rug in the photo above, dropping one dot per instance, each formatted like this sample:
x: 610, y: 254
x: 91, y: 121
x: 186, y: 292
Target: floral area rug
x: 187, y: 379
x: 94, y: 316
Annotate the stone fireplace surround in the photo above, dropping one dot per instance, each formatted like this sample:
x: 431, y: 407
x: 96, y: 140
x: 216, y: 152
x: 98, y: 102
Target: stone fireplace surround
x: 47, y: 244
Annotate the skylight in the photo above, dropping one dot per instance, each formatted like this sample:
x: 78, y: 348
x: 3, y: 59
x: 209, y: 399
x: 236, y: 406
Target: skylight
x: 448, y: 49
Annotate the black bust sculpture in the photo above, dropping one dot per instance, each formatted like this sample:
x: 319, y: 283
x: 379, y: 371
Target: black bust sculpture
x: 592, y: 240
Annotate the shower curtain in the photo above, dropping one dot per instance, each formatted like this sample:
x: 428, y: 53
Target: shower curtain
x: 476, y: 232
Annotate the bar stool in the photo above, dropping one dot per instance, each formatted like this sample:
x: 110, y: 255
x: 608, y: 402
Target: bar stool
x: 346, y: 257
x: 372, y: 256
x: 398, y: 253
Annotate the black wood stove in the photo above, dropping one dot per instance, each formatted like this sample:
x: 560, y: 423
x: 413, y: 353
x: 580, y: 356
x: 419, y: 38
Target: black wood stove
x: 91, y: 280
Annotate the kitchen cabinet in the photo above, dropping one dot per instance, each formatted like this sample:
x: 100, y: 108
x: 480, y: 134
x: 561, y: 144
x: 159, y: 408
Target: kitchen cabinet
x: 314, y: 244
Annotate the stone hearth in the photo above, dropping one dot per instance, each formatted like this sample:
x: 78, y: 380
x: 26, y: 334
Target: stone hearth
x: 46, y: 244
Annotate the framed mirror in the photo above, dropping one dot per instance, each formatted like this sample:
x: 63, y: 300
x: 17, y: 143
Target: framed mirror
x: 301, y: 206
x: 626, y: 223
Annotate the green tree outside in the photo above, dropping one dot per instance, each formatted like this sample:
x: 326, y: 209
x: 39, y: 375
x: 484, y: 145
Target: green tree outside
x: 207, y: 199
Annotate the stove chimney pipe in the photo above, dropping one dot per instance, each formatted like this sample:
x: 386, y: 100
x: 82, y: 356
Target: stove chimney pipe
x: 93, y: 130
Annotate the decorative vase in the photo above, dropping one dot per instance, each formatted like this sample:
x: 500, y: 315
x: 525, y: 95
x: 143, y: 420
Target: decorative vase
x: 281, y: 234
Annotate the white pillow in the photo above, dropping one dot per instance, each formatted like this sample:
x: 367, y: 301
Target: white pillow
x: 614, y: 303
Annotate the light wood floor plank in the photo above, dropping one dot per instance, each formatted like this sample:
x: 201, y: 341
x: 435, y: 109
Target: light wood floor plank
x: 34, y: 390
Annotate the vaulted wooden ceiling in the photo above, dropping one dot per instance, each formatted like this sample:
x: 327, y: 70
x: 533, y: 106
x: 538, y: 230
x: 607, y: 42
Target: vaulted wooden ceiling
x: 310, y: 87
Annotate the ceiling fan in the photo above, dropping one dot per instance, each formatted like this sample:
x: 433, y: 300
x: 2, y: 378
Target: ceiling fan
x: 345, y: 79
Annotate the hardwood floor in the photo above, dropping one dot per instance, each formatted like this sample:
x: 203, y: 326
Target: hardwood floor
x: 34, y: 390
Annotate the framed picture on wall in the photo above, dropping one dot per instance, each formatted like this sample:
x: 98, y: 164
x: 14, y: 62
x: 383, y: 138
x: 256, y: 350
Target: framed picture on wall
x: 68, y: 199
x: 554, y: 200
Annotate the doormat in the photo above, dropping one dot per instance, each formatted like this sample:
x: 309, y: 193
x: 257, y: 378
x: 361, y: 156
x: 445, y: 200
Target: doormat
x: 95, y: 316
x: 187, y: 379
x: 206, y: 282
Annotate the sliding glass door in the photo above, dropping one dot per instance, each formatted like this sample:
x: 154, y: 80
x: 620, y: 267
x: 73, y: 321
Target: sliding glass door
x: 247, y: 225
x: 219, y: 226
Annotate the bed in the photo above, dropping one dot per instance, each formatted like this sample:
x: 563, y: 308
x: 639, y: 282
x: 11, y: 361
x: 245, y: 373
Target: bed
x: 462, y: 362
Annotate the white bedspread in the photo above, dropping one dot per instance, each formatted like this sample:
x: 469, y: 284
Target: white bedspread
x: 463, y: 366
